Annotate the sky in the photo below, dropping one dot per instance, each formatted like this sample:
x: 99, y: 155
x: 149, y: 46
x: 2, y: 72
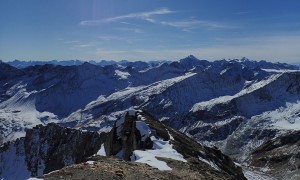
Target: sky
x: 149, y: 29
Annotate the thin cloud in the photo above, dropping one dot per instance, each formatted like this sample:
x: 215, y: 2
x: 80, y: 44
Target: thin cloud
x: 187, y: 25
x: 141, y: 15
x: 127, y: 23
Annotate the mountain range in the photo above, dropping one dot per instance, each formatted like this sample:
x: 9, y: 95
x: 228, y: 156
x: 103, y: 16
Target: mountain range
x: 23, y: 64
x: 247, y: 109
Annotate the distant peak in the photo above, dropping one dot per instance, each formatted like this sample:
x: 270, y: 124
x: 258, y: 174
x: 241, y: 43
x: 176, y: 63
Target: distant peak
x: 245, y: 59
x: 191, y: 57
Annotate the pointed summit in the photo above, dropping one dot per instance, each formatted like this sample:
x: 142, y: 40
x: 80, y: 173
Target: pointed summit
x: 191, y: 57
x: 190, y: 62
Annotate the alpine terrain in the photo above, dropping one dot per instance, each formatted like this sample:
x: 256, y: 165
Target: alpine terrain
x: 186, y: 119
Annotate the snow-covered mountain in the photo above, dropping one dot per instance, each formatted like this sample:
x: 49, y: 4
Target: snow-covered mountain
x: 236, y: 105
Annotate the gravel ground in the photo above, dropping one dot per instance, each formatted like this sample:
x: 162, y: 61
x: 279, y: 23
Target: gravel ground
x: 114, y: 168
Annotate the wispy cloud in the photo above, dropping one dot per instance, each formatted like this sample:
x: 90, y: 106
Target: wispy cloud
x: 185, y: 25
x: 141, y: 15
x: 127, y: 23
x: 189, y: 24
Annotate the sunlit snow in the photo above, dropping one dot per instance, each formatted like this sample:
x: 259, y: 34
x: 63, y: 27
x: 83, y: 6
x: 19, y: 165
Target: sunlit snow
x: 161, y: 148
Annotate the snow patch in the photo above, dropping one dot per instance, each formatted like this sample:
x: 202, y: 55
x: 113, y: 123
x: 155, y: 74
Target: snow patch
x: 90, y: 162
x: 171, y: 137
x: 280, y: 70
x: 101, y: 151
x: 121, y: 74
x: 160, y: 149
x: 252, y: 174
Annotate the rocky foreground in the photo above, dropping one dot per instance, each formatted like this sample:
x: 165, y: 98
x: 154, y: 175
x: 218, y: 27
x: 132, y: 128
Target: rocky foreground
x: 151, y: 149
x: 100, y: 167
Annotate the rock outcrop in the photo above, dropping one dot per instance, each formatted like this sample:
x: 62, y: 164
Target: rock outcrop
x: 48, y: 148
x: 125, y: 137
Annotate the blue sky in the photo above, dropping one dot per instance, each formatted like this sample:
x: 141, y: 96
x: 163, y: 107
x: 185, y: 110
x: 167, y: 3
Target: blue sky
x: 149, y: 29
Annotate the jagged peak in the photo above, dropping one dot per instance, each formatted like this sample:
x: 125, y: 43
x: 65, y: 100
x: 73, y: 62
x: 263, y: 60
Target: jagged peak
x: 189, y: 58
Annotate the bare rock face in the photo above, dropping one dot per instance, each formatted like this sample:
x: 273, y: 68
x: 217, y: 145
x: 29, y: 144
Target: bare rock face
x: 53, y: 147
x: 48, y: 148
x: 125, y: 138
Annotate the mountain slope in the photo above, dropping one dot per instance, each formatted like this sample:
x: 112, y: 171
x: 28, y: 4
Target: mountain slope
x: 279, y: 156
